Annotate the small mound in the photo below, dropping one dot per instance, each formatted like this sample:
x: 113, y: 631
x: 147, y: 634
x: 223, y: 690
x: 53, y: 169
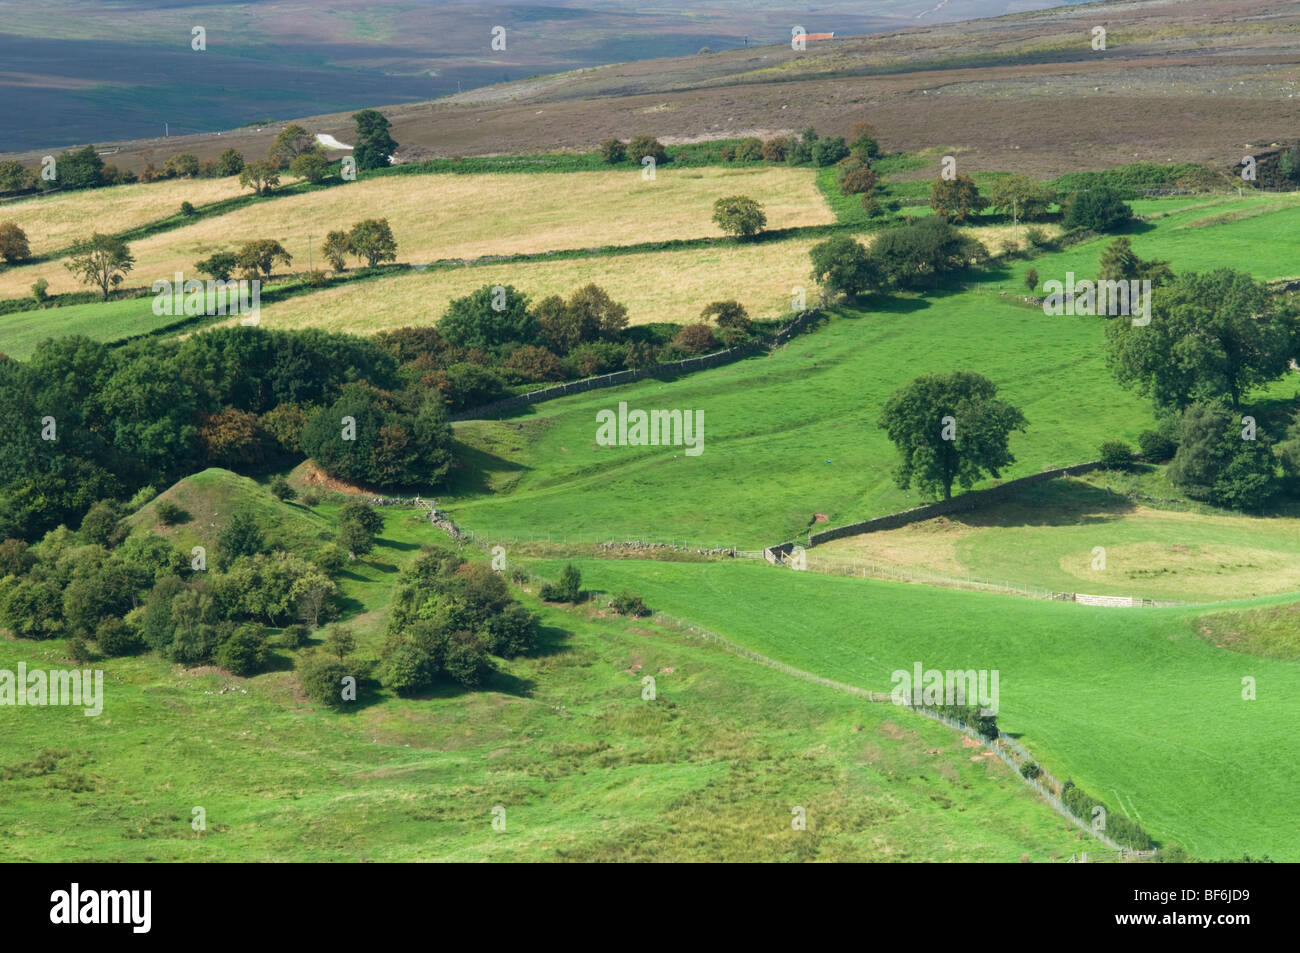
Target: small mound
x: 1272, y: 633
x: 209, y: 499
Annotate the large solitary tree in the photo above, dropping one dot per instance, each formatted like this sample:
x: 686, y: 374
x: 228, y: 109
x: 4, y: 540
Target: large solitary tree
x: 374, y: 143
x: 1211, y: 335
x: 103, y: 260
x: 949, y: 428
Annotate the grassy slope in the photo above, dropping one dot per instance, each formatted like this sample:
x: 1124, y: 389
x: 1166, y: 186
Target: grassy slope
x: 795, y: 432
x: 1090, y: 690
x: 584, y: 767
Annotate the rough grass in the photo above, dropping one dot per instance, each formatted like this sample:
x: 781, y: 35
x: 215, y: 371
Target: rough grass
x: 584, y: 768
x: 466, y: 216
x: 1046, y: 539
x: 1134, y: 705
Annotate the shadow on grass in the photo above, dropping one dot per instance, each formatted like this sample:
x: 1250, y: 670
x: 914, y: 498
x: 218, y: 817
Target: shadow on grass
x: 1059, y: 503
x: 469, y: 476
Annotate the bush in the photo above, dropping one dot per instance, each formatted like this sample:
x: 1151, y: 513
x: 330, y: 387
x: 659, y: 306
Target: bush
x: 1036, y: 237
x: 294, y: 636
x: 340, y: 642
x: 1155, y: 446
x: 79, y: 650
x: 1031, y: 280
x: 245, y: 652
x: 695, y: 339
x: 40, y: 290
x: 569, y: 588
x: 630, y: 604
x: 115, y: 637
x: 331, y: 557
x: 828, y: 151
x: 169, y: 514
x: 871, y: 206
x: 321, y: 679
x: 749, y: 150
x: 1116, y: 455
x: 1030, y: 769
x: 613, y: 151
x: 642, y: 146
x: 218, y: 266
x: 312, y: 497
x: 511, y: 632
x: 281, y: 489
x: 317, y: 278
x: 187, y: 209
x: 1099, y: 209
x: 774, y: 150
x: 739, y: 215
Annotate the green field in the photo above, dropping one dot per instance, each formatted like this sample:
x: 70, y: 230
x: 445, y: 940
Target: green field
x: 1133, y: 705
x: 793, y: 433
x: 585, y: 769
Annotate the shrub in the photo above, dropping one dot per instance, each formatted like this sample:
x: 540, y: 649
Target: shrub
x: 828, y: 151
x: 1116, y: 455
x: 1099, y: 209
x: 13, y: 243
x: 871, y: 206
x: 317, y: 278
x: 1031, y: 279
x: 511, y: 632
x: 535, y: 364
x: 1036, y: 237
x: 613, y: 151
x: 1155, y: 446
x: 1030, y: 769
x: 281, y: 489
x: 312, y: 497
x: 774, y: 150
x: 695, y: 339
x: 642, y: 146
x: 568, y: 589
x: 321, y: 679
x: 727, y: 314
x: 842, y: 266
x: 79, y: 650
x: 40, y: 290
x: 169, y: 514
x: 245, y: 652
x: 749, y: 150
x: 340, y: 642
x: 629, y: 604
x: 331, y: 557
x: 219, y: 266
x: 187, y: 209
x: 739, y: 215
x: 115, y: 637
x: 294, y: 636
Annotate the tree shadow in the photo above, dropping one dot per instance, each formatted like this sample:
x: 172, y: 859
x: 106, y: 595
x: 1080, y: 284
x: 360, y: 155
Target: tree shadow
x: 1053, y: 504
x: 469, y: 476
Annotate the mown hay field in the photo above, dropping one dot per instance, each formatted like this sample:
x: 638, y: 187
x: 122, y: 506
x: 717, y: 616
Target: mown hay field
x: 56, y: 221
x: 655, y: 286
x: 464, y: 216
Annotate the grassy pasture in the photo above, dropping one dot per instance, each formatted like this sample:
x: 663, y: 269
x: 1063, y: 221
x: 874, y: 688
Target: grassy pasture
x: 585, y: 769
x: 466, y: 216
x: 792, y: 433
x: 1134, y: 705
x: 1046, y: 539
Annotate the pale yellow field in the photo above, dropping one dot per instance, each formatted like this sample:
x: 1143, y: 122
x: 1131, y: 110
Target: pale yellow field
x: 655, y: 286
x: 57, y: 220
x: 463, y: 216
